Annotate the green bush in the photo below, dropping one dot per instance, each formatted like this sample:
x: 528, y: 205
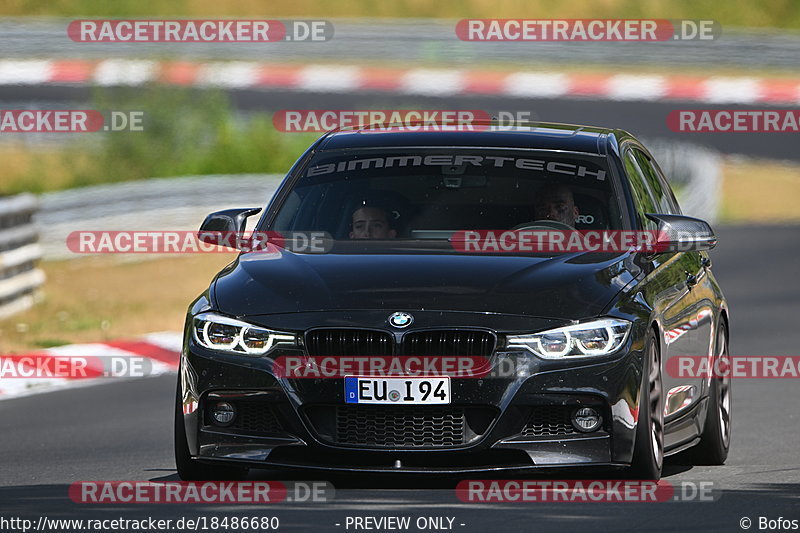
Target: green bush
x: 186, y: 132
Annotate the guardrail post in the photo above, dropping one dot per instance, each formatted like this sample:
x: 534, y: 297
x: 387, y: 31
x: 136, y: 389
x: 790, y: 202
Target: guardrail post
x: 20, y: 277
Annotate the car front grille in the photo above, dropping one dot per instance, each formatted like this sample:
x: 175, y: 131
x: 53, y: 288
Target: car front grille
x: 449, y: 343
x: 549, y: 420
x: 348, y: 342
x: 362, y: 342
x: 400, y: 426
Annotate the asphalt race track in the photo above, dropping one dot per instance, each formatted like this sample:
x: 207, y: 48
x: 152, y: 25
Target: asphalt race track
x: 123, y: 431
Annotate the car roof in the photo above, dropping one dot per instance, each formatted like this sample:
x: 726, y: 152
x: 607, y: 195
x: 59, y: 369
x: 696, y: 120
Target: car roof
x: 544, y: 136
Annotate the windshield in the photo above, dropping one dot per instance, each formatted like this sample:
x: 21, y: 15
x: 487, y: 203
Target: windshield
x: 422, y: 193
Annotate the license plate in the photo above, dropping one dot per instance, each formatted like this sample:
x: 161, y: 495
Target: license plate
x: 411, y: 391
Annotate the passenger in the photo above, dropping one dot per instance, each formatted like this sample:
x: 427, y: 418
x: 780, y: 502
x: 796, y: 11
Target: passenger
x: 372, y: 223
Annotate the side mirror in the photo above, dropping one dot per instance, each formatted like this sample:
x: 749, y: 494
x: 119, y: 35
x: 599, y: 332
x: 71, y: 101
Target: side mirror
x: 678, y: 233
x: 226, y: 223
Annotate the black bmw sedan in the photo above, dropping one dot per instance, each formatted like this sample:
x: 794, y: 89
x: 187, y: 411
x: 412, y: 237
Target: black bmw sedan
x: 456, y: 301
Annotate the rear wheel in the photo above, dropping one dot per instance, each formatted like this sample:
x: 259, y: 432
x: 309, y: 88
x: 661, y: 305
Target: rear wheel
x: 648, y: 451
x: 715, y: 440
x: 190, y: 469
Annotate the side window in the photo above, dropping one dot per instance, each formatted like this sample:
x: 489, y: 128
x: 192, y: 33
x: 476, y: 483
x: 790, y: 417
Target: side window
x: 661, y: 191
x: 676, y: 209
x: 641, y: 194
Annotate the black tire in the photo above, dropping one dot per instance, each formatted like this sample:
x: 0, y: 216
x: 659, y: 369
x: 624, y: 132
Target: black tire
x: 648, y: 450
x: 715, y: 441
x: 190, y: 469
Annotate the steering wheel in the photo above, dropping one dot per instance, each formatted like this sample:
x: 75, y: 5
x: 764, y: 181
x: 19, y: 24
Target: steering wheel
x: 543, y: 224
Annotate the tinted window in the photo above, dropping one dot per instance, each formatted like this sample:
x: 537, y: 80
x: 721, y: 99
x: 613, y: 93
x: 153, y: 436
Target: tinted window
x: 676, y: 209
x: 660, y: 190
x: 645, y: 203
x: 428, y: 193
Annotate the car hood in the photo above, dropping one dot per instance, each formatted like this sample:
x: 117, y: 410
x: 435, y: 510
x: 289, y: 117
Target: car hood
x: 570, y: 286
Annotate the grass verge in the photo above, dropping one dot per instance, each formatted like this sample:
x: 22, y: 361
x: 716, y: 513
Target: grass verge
x: 94, y: 299
x: 743, y: 13
x: 760, y: 192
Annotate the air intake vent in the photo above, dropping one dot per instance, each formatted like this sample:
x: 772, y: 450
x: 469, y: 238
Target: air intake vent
x: 549, y: 420
x: 404, y: 426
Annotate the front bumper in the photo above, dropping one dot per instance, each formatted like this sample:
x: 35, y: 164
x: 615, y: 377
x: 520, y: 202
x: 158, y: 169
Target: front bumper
x: 298, y: 422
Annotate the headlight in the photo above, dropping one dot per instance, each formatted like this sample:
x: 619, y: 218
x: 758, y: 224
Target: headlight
x: 598, y: 337
x: 225, y: 334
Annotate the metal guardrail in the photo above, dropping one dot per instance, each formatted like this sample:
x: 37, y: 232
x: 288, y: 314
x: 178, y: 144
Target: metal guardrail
x: 174, y: 204
x: 695, y: 174
x: 20, y: 251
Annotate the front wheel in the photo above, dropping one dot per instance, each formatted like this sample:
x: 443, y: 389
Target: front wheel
x: 648, y: 450
x: 190, y: 469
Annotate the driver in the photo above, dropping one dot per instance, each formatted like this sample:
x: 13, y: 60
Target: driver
x: 372, y: 223
x: 554, y: 201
